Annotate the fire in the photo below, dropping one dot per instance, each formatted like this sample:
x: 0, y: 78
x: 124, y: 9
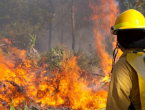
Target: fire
x: 70, y: 89
x: 104, y: 17
x: 21, y: 80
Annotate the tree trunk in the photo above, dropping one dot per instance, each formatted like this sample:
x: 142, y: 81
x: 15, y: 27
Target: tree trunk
x: 61, y: 28
x: 73, y: 25
x: 50, y: 34
x: 80, y: 33
x: 51, y: 11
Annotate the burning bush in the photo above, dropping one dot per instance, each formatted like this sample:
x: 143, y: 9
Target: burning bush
x: 68, y: 86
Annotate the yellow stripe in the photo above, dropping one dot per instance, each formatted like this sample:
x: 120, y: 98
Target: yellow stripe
x: 121, y: 24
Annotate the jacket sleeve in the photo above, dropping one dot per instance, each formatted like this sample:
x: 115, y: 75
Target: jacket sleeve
x: 120, y: 87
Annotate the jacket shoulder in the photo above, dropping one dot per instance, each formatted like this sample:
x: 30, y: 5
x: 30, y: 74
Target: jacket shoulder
x: 123, y: 67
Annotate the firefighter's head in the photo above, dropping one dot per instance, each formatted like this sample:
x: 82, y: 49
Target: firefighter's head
x: 130, y: 29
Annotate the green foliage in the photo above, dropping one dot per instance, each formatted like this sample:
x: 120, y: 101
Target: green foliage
x: 86, y: 62
x: 19, y: 107
x: 54, y: 58
x: 32, y: 41
x: 33, y: 108
x: 102, y: 109
x: 132, y: 4
x: 138, y: 5
x: 21, y: 18
x: 12, y: 105
x: 24, y: 106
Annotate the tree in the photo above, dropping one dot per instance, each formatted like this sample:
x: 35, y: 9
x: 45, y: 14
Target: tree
x: 51, y: 11
x: 138, y: 5
x: 73, y: 25
x: 20, y: 18
x: 122, y: 5
x: 132, y: 4
x: 61, y: 27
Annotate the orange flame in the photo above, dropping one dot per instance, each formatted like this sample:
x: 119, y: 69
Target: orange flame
x: 19, y: 80
x: 104, y: 17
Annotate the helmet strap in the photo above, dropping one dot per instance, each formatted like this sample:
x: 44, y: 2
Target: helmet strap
x: 115, y: 52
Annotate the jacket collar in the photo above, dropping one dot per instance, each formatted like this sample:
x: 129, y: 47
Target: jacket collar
x: 128, y: 51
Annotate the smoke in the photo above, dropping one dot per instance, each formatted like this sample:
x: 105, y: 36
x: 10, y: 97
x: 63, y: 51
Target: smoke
x: 62, y: 27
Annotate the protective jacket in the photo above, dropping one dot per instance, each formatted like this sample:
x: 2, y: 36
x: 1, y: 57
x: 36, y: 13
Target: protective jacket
x: 127, y: 86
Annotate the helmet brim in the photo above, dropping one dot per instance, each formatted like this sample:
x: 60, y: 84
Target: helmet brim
x: 128, y: 28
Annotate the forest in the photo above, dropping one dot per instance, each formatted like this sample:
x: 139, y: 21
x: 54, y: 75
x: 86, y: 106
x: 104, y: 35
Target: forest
x: 57, y: 54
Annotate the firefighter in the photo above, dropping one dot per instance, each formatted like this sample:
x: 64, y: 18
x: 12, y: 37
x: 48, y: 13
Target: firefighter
x: 127, y: 86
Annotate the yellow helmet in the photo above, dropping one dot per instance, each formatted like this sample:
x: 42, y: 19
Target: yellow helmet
x: 130, y: 19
